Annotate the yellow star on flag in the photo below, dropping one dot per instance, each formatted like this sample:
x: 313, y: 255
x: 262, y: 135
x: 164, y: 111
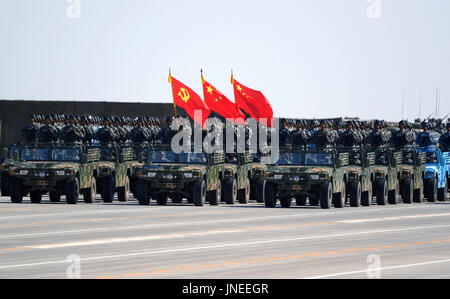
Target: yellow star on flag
x: 210, y: 89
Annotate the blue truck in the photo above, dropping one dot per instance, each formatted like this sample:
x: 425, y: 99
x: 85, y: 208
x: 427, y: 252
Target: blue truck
x: 436, y: 178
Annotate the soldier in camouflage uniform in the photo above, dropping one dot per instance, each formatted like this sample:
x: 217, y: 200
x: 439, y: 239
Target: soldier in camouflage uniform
x: 350, y: 137
x: 48, y: 133
x: 140, y: 134
x: 444, y: 141
x: 378, y: 137
x: 403, y: 136
x: 72, y: 133
x: 106, y: 134
x: 30, y: 131
x: 166, y: 133
x: 300, y: 136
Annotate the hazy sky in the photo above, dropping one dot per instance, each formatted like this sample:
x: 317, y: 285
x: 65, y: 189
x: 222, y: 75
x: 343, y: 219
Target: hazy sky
x: 315, y: 58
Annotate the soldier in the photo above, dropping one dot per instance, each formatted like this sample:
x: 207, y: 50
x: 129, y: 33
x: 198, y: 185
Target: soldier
x: 88, y: 130
x: 285, y: 136
x: 350, y: 137
x: 403, y: 136
x: 47, y: 133
x: 323, y: 137
x: 72, y: 133
x: 166, y: 133
x: 30, y: 131
x: 377, y: 137
x: 426, y: 137
x: 444, y: 141
x: 300, y: 136
x: 140, y: 134
x: 106, y: 134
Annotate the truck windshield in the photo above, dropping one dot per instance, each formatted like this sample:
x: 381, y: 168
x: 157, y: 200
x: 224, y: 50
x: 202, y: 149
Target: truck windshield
x: 193, y: 158
x: 322, y: 159
x: 162, y: 157
x: 66, y: 154
x: 290, y: 159
x: 35, y: 154
x: 382, y: 158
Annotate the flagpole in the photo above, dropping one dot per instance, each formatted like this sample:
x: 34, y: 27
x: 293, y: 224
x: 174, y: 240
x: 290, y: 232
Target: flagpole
x: 173, y: 96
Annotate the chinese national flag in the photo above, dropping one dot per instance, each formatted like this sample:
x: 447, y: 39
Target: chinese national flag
x: 253, y: 102
x: 221, y: 104
x: 187, y: 99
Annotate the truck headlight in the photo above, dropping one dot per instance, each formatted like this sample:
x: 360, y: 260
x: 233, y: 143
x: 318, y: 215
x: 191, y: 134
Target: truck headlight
x: 151, y: 174
x: 278, y: 176
x: 188, y: 175
x: 60, y: 172
x: 315, y: 177
x: 23, y: 172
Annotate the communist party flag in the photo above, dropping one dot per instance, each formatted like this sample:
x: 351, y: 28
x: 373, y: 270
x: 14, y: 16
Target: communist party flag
x: 219, y: 103
x: 187, y: 99
x: 253, y: 102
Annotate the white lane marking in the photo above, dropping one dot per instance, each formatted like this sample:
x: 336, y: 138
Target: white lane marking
x: 380, y: 269
x: 393, y: 218
x: 236, y: 220
x: 132, y: 239
x: 206, y: 247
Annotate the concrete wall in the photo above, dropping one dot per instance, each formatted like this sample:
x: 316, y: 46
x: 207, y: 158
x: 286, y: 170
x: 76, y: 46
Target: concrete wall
x: 14, y: 114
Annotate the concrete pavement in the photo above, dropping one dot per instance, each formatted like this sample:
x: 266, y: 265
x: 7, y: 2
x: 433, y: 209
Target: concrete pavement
x: 124, y: 240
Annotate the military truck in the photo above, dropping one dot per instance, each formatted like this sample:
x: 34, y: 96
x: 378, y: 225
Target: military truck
x: 6, y: 164
x: 319, y: 174
x: 386, y: 181
x: 411, y: 172
x: 360, y: 175
x: 243, y: 179
x: 436, y: 175
x: 55, y: 169
x: 195, y: 176
x: 115, y: 171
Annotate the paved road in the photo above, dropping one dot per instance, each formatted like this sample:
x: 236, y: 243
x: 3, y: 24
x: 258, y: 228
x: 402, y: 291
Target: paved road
x: 128, y: 241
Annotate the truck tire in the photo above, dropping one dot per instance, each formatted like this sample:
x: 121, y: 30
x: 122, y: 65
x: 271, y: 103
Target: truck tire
x: 431, y: 190
x: 161, y: 199
x: 124, y: 192
x: 16, y: 190
x: 407, y: 191
x: 90, y: 193
x: 393, y: 195
x: 142, y: 193
x: 36, y: 196
x: 300, y: 200
x: 382, y: 193
x: 177, y: 198
x: 339, y: 198
x: 269, y: 196
x: 199, y: 193
x: 54, y: 196
x: 107, y: 191
x: 215, y: 196
x: 286, y: 202
x: 367, y: 196
x: 326, y: 195
x: 418, y: 195
x: 259, y: 190
x: 72, y: 191
x: 355, y: 194
x: 5, y: 184
x: 442, y: 192
x: 230, y: 191
x: 243, y: 195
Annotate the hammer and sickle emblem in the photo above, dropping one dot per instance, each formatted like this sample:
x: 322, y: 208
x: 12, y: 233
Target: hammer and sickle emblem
x: 184, y: 95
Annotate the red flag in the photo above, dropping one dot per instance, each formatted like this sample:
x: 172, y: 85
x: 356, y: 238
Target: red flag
x: 253, y: 102
x: 219, y: 103
x: 186, y: 98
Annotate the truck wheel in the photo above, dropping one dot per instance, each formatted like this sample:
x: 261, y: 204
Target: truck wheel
x: 54, y: 196
x: 407, y: 191
x: 393, y: 195
x: 230, y: 191
x: 199, y: 193
x: 124, y: 192
x: 418, y: 195
x: 431, y: 190
x: 177, y: 198
x: 269, y: 196
x: 244, y: 194
x: 259, y: 190
x: 382, y: 193
x: 442, y: 192
x: 161, y: 199
x: 355, y: 194
x: 72, y: 191
x: 286, y: 202
x: 142, y: 193
x: 90, y: 193
x: 5, y: 184
x: 367, y: 196
x: 339, y: 198
x: 326, y: 195
x: 16, y: 191
x: 300, y: 200
x: 108, y: 189
x: 215, y: 196
x: 35, y: 196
